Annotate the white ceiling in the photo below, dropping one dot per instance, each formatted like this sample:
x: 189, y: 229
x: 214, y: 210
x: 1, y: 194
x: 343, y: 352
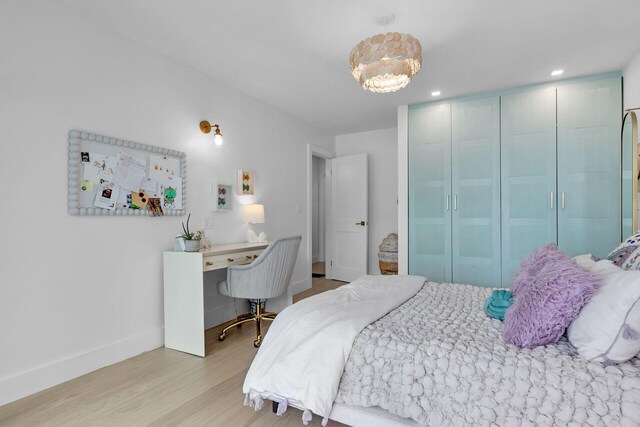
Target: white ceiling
x: 293, y: 54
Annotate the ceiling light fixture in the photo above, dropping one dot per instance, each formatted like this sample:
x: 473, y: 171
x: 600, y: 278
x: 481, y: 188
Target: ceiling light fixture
x: 435, y: 93
x: 386, y: 62
x: 206, y: 127
x: 555, y: 73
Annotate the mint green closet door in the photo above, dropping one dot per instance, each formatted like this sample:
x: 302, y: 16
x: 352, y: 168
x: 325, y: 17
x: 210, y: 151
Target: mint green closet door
x: 476, y: 192
x: 528, y: 176
x: 430, y: 192
x: 589, y: 120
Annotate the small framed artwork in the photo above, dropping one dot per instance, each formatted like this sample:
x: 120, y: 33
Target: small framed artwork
x: 246, y: 183
x: 222, y: 195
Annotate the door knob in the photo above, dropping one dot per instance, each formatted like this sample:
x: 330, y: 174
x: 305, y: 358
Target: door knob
x: 362, y: 223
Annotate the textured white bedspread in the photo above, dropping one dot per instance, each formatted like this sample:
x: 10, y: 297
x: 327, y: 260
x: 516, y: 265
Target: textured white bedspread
x: 303, y: 355
x: 439, y: 360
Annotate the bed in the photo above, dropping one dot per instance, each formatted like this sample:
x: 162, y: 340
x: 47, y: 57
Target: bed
x: 405, y: 351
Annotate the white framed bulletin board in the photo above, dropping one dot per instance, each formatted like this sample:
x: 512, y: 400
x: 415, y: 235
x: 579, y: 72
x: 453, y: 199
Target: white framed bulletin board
x: 111, y: 176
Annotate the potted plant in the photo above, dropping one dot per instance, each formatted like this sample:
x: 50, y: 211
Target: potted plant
x: 191, y: 240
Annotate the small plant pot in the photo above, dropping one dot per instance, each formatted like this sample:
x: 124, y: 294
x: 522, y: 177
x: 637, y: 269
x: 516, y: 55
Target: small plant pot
x: 191, y: 245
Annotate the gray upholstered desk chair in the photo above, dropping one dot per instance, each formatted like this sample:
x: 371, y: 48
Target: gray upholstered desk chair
x: 266, y: 277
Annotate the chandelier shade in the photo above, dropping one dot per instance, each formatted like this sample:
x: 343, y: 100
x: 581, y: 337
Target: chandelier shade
x: 386, y: 62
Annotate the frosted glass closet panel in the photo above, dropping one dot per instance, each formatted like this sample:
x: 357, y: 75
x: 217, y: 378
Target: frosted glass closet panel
x: 528, y: 158
x: 429, y: 192
x: 589, y: 120
x: 476, y: 192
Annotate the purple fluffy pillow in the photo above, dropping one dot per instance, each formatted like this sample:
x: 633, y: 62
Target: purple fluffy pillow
x: 549, y: 291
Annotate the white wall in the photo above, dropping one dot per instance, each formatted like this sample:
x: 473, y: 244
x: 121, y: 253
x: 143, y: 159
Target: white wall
x: 381, y: 147
x: 403, y: 189
x: 631, y: 75
x: 78, y: 293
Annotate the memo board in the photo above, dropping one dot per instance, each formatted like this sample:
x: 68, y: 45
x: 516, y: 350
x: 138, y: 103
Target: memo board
x: 108, y: 153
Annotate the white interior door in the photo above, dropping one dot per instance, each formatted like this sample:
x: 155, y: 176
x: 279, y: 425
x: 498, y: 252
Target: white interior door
x: 349, y: 228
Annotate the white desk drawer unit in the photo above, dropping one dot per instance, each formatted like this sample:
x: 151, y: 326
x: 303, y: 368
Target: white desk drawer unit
x: 184, y: 290
x: 215, y: 262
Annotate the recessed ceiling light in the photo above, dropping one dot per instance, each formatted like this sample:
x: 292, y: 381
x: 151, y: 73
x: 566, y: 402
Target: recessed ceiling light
x: 557, y: 72
x: 435, y: 93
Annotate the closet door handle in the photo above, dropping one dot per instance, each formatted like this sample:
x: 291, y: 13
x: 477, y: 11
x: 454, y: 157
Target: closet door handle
x: 447, y: 202
x: 455, y: 202
x: 551, y: 201
x: 563, y: 200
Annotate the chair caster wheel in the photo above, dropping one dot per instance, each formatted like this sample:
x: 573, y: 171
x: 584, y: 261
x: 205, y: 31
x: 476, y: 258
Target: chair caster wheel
x: 257, y: 343
x: 221, y: 337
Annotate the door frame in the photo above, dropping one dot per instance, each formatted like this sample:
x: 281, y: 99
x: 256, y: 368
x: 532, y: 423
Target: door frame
x: 403, y: 189
x: 314, y: 150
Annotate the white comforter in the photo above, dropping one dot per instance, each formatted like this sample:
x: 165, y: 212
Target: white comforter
x: 304, y: 353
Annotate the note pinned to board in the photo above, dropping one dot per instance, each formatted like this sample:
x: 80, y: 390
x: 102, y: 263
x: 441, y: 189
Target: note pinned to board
x: 162, y: 168
x: 98, y: 168
x: 171, y: 193
x: 131, y: 172
x: 106, y: 196
x: 155, y: 207
x: 86, y: 185
x: 150, y: 186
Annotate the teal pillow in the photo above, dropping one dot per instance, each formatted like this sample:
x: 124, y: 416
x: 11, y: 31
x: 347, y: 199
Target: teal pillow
x: 498, y: 303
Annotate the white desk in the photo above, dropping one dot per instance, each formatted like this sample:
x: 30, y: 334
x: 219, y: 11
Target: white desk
x: 184, y: 290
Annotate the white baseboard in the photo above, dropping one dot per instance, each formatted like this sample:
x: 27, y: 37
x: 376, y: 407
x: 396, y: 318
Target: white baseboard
x: 25, y: 383
x: 299, y: 286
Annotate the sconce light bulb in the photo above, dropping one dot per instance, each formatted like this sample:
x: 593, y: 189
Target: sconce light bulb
x: 217, y: 139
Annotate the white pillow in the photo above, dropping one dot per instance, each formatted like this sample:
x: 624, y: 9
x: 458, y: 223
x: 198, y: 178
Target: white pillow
x: 585, y: 261
x: 607, y: 329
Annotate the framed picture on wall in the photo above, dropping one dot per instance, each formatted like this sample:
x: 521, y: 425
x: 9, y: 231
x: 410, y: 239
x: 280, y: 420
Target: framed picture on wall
x: 246, y: 183
x: 222, y: 196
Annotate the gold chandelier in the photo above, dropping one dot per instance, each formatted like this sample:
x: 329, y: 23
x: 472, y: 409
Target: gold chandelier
x: 386, y: 62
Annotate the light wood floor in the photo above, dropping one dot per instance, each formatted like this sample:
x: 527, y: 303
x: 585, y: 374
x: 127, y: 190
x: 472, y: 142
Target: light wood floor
x: 317, y: 269
x: 161, y: 388
x: 318, y: 285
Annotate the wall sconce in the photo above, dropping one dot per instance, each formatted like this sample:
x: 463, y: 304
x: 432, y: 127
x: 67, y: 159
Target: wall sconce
x: 205, y: 127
